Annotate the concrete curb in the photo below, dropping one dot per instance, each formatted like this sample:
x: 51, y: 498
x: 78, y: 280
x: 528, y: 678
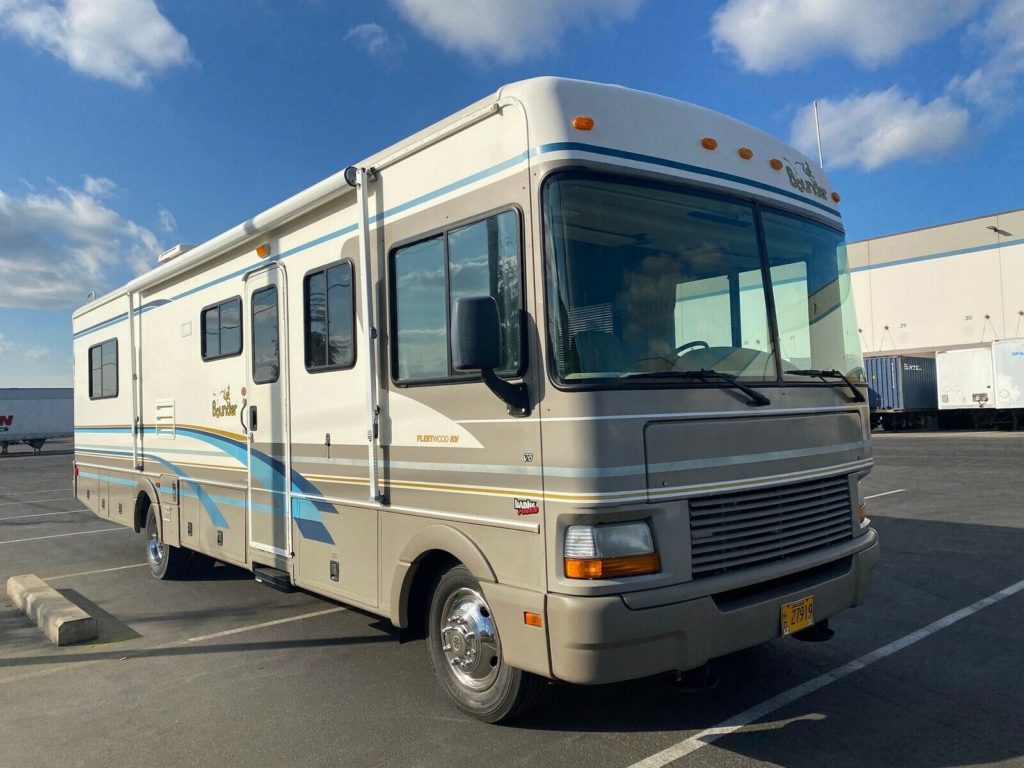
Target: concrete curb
x: 59, y: 619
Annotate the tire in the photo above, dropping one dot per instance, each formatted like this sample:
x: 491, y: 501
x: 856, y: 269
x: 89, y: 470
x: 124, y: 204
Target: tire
x: 465, y: 651
x: 165, y: 561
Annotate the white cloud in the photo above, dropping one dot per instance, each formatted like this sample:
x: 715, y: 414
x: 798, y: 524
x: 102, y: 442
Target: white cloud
x: 507, y: 32
x: 167, y: 221
x: 377, y: 43
x: 1000, y: 36
x: 5, y: 346
x: 37, y: 353
x: 126, y: 41
x: 880, y: 128
x: 772, y: 35
x: 56, y: 248
x: 99, y: 187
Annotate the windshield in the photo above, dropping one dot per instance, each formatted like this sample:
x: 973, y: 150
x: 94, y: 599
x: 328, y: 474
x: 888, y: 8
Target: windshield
x: 656, y: 280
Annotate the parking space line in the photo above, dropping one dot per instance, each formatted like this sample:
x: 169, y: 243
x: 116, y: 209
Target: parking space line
x: 251, y: 627
x: 61, y: 535
x: 32, y: 493
x: 37, y: 501
x: 887, y: 493
x: 90, y: 573
x: 735, y: 723
x: 43, y: 514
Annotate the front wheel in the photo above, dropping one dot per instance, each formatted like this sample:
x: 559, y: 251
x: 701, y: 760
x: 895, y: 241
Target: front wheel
x: 165, y: 561
x: 465, y: 650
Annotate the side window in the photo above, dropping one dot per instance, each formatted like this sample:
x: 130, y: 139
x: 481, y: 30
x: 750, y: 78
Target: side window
x: 478, y: 259
x: 222, y: 329
x: 265, y: 342
x: 103, y: 370
x: 329, y: 300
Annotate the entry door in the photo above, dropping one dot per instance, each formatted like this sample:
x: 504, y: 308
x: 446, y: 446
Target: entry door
x: 266, y: 411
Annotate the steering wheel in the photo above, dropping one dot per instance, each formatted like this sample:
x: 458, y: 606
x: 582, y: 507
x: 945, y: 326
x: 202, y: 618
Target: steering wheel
x: 696, y: 343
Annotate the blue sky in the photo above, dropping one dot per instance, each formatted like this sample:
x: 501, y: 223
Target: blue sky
x: 127, y: 126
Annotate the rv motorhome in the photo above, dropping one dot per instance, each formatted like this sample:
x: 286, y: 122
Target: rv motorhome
x: 569, y: 382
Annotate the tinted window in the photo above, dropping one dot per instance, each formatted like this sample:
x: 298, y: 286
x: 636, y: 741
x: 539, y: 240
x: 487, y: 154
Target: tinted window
x: 420, y: 314
x: 103, y: 370
x: 222, y: 329
x: 479, y: 259
x: 330, y: 318
x: 265, y: 343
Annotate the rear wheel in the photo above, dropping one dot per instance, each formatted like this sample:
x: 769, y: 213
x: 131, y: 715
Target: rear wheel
x: 465, y: 650
x: 165, y: 561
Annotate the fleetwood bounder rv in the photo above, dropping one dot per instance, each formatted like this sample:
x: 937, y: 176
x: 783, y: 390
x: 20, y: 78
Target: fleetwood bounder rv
x: 570, y: 382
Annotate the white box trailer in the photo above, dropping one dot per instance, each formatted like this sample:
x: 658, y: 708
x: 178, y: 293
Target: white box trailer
x: 964, y: 379
x: 33, y: 416
x: 1008, y: 372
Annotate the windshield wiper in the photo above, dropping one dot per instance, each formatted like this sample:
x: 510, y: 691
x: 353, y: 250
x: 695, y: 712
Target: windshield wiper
x: 858, y: 396
x: 706, y: 374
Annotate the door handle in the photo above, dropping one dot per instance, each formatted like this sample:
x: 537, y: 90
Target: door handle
x: 252, y: 418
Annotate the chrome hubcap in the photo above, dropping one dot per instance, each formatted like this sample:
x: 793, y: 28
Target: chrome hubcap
x: 469, y: 639
x: 153, y: 546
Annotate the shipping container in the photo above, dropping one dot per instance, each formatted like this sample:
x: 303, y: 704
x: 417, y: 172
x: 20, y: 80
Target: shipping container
x: 33, y: 416
x: 902, y: 383
x: 964, y: 378
x: 1008, y: 367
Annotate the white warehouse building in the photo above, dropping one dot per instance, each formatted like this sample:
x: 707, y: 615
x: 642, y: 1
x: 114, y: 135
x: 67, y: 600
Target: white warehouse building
x: 946, y: 287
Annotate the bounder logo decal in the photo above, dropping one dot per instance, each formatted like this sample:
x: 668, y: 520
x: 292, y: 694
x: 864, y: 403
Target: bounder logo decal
x: 224, y: 407
x: 804, y: 180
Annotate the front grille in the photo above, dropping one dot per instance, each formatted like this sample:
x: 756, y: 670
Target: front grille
x: 738, y: 530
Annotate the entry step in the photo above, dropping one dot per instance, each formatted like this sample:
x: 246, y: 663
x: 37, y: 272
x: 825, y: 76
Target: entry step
x: 272, y: 577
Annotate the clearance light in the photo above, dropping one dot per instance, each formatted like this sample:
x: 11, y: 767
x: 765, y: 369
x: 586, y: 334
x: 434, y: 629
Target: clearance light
x: 610, y: 551
x: 835, y: 197
x: 532, y: 619
x: 862, y: 513
x: 745, y: 153
x: 583, y: 123
x: 775, y: 163
x: 263, y: 250
x: 708, y: 143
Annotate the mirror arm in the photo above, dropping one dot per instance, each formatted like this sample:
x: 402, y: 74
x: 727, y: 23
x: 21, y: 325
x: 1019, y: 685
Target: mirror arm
x: 515, y: 396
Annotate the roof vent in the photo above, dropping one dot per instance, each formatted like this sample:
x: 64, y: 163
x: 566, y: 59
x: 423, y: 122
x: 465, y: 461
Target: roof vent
x: 175, y: 252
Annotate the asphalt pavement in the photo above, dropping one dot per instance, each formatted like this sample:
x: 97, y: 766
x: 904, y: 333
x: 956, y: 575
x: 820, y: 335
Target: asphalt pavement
x: 928, y: 673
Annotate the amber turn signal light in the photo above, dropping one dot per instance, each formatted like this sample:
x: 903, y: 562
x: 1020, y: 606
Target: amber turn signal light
x: 612, y: 567
x: 531, y: 619
x: 583, y: 123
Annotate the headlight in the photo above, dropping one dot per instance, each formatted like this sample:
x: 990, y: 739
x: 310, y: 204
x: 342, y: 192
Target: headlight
x: 862, y: 507
x: 609, y: 551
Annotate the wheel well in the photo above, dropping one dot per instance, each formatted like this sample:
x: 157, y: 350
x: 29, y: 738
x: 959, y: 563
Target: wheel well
x: 428, y: 568
x: 142, y: 503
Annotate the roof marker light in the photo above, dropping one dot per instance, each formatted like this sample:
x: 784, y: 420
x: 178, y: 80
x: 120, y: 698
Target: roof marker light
x: 263, y: 250
x: 775, y: 163
x: 583, y: 123
x: 745, y: 152
x: 708, y: 143
x: 835, y: 197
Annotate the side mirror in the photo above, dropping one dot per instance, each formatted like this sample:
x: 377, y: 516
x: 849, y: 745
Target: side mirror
x: 476, y: 346
x: 476, y: 334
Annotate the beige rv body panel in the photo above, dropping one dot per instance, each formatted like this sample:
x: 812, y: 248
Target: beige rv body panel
x: 461, y: 478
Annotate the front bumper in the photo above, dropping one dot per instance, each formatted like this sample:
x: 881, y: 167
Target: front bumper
x: 604, y: 640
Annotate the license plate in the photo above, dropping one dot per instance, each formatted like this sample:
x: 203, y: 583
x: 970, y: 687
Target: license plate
x: 798, y: 615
